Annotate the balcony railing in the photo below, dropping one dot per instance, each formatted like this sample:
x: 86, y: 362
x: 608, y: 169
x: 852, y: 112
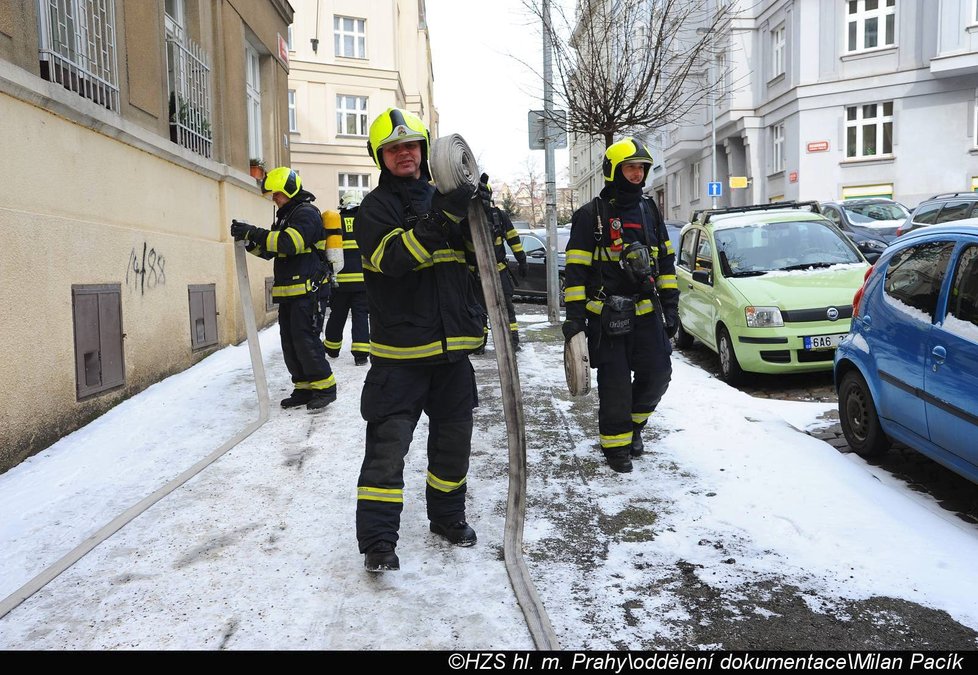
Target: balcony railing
x: 190, y: 101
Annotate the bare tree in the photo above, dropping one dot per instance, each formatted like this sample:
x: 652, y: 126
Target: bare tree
x: 530, y: 188
x: 627, y: 65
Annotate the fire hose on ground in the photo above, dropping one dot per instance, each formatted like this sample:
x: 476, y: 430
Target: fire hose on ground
x: 453, y: 164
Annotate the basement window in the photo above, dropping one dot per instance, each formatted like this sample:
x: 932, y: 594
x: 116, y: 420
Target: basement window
x: 97, y: 315
x: 203, y: 316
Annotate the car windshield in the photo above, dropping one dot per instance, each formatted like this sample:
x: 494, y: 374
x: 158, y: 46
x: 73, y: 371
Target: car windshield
x: 876, y: 215
x: 753, y: 249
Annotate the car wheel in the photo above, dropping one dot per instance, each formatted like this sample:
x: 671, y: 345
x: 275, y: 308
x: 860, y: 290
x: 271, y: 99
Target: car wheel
x: 730, y: 370
x: 857, y: 415
x: 682, y: 339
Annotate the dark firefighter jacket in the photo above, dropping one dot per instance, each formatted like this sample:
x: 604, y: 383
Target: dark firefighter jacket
x: 502, y: 228
x: 592, y: 269
x: 422, y: 302
x: 294, y: 243
x: 350, y: 277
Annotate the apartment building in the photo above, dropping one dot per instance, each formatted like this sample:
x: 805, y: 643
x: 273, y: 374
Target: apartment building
x: 827, y: 99
x: 350, y: 61
x: 126, y: 128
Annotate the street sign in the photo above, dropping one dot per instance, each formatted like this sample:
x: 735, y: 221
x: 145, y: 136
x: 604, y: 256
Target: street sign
x: 558, y: 124
x: 738, y: 181
x: 817, y: 146
x: 714, y: 189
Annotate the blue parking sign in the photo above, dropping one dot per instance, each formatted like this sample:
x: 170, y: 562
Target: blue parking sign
x: 714, y: 189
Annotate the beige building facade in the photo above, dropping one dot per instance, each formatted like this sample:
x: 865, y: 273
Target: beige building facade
x: 350, y: 61
x: 126, y: 130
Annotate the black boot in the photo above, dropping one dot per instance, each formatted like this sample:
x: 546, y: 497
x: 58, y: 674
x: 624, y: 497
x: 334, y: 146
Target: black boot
x: 458, y: 533
x: 619, y: 460
x: 360, y: 359
x: 638, y: 446
x: 296, y: 398
x: 381, y: 558
x: 332, y: 353
x: 321, y: 398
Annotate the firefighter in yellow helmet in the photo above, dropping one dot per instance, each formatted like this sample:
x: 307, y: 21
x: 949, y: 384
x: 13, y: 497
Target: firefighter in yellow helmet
x: 296, y: 243
x: 424, y: 322
x: 621, y: 289
x: 349, y: 296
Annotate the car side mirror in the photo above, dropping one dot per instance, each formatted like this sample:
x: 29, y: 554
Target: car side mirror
x: 702, y: 276
x: 539, y: 253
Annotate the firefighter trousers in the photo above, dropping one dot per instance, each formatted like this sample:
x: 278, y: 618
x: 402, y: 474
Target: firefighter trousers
x: 354, y: 304
x: 392, y: 400
x: 625, y: 402
x: 305, y: 356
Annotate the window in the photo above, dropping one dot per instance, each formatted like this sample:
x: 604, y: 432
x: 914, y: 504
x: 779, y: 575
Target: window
x: 97, y: 313
x: 926, y: 215
x: 871, y: 24
x: 188, y: 84
x: 351, y: 115
x: 954, y: 211
x: 694, y: 181
x: 677, y: 186
x: 253, y: 100
x: 777, y: 147
x: 963, y: 300
x: 777, y: 51
x: 354, y: 181
x: 76, y: 45
x: 915, y: 275
x: 721, y: 75
x: 869, y: 130
x: 350, y: 37
x: 687, y: 250
x: 704, y: 255
x: 203, y: 316
x: 293, y: 118
x: 289, y: 39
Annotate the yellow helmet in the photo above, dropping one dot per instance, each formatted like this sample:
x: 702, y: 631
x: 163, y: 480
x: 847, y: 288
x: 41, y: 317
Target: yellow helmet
x: 396, y: 126
x: 625, y: 150
x: 282, y: 179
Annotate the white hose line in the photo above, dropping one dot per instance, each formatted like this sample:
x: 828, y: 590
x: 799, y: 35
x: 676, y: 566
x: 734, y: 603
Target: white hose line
x: 452, y: 164
x: 120, y: 521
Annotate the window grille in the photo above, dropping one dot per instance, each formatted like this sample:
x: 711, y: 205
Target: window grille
x: 190, y: 100
x: 77, y: 48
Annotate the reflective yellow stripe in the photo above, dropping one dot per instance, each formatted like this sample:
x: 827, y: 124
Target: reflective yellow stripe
x: 513, y: 327
x: 669, y: 248
x: 517, y: 247
x: 290, y: 291
x: 616, y: 441
x: 323, y: 384
x: 296, y: 238
x: 574, y: 294
x: 594, y: 306
x: 447, y: 255
x: 376, y: 494
x: 457, y: 343
x: 500, y: 266
x: 578, y: 257
x: 350, y: 244
x: 370, y: 268
x: 606, y: 254
x: 360, y: 347
x: 271, y: 242
x: 349, y: 278
x: 414, y: 247
x: 666, y: 281
x: 378, y: 255
x: 639, y: 418
x: 335, y: 346
x: 419, y: 352
x: 644, y: 307
x: 444, y: 485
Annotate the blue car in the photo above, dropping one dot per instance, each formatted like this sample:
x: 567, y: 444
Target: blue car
x: 908, y: 369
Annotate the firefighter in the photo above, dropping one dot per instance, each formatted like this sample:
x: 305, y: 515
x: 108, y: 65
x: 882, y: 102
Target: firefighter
x: 502, y: 230
x: 296, y: 242
x: 424, y: 322
x: 621, y: 290
x: 349, y: 297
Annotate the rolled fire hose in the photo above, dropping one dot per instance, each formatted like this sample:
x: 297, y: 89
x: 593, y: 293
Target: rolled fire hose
x: 453, y: 164
x: 577, y: 365
x: 120, y: 521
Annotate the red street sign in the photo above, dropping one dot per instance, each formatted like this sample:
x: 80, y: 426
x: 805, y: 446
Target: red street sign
x: 283, y: 49
x: 818, y: 146
x: 793, y: 177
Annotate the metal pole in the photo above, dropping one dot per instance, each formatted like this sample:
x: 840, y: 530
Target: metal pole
x: 553, y: 290
x: 713, y: 106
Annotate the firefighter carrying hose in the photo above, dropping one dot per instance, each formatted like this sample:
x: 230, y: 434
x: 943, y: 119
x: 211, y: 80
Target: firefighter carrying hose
x: 621, y: 289
x: 424, y: 322
x: 349, y: 295
x: 296, y: 242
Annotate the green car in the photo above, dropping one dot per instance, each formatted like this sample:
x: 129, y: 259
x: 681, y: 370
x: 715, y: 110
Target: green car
x: 769, y: 288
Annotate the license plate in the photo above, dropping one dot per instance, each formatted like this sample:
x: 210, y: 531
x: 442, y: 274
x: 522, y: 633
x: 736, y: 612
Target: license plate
x: 823, y: 341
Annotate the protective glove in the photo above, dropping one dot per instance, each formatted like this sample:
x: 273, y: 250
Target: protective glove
x: 454, y: 205
x: 521, y: 265
x: 241, y: 230
x: 672, y: 324
x: 572, y: 327
x: 483, y: 192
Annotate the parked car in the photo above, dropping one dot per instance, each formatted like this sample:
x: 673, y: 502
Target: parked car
x: 521, y: 224
x: 767, y: 287
x: 535, y: 245
x: 907, y: 370
x: 942, y: 208
x: 871, y: 222
x: 674, y: 227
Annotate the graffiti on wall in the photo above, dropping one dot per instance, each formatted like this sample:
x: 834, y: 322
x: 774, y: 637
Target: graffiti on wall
x: 146, y: 270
